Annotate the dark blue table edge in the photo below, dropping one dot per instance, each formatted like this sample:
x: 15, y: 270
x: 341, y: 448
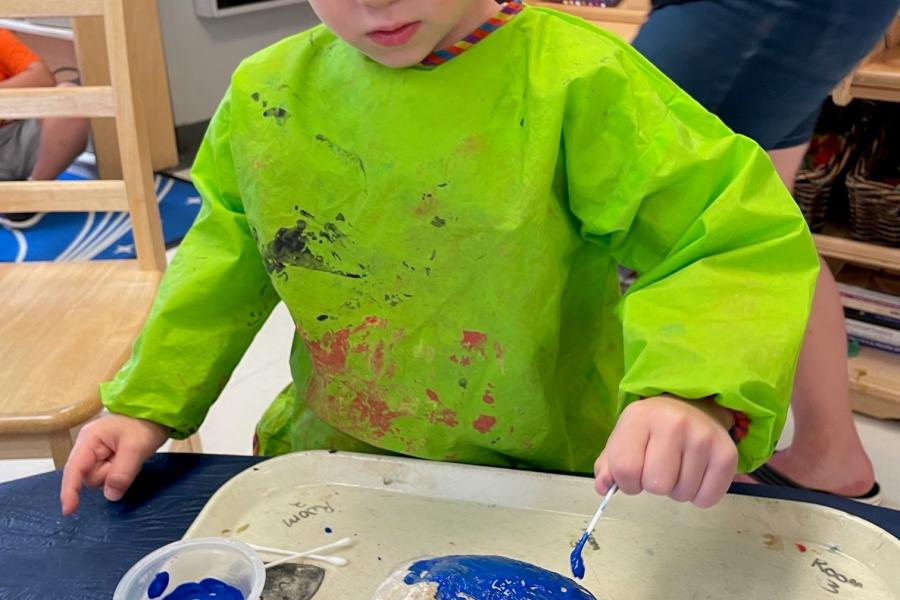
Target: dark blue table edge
x: 886, y: 518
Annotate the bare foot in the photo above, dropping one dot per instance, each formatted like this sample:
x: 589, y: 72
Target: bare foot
x: 848, y: 474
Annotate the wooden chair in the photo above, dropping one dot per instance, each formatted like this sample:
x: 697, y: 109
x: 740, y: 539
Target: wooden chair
x: 66, y: 327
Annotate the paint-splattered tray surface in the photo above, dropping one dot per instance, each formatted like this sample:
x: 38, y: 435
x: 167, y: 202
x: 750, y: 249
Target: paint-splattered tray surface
x: 646, y: 547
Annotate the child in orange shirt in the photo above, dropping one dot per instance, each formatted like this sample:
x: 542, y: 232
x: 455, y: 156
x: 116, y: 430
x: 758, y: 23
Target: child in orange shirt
x: 32, y: 149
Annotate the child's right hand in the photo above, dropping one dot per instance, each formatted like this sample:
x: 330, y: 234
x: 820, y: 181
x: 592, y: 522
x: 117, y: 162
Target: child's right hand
x: 109, y: 453
x: 670, y: 447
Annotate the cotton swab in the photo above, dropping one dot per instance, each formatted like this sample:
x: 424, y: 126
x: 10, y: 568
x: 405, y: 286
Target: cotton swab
x: 313, y: 554
x: 336, y: 561
x: 341, y: 543
x: 575, y: 559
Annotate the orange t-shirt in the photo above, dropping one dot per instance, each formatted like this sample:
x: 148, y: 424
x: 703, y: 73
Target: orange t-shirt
x: 15, y: 56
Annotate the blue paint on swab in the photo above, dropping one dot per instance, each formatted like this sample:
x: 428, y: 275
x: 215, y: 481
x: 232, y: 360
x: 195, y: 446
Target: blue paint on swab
x: 576, y: 561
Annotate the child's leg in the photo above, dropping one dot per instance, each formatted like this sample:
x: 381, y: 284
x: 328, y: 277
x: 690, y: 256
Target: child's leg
x: 62, y: 140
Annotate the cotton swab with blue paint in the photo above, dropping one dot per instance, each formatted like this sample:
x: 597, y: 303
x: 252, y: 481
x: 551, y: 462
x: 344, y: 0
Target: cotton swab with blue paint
x: 575, y: 559
x: 314, y: 554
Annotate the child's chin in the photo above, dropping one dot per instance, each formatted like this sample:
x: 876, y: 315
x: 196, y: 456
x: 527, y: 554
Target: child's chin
x: 397, y: 59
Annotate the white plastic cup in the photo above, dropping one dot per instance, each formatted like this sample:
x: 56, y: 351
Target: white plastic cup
x: 225, y: 559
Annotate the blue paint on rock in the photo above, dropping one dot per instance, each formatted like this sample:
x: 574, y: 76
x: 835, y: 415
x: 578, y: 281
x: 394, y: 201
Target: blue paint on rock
x: 493, y: 578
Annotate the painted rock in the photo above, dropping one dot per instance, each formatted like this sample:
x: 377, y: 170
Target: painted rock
x: 478, y: 578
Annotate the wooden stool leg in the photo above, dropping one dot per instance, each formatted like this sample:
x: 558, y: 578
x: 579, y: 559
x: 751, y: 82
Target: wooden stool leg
x: 60, y: 447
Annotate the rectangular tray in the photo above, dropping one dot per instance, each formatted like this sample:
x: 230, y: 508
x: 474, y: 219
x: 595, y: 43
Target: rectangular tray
x: 646, y: 547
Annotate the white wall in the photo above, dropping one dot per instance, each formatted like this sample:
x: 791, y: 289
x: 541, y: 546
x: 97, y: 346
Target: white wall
x: 202, y: 53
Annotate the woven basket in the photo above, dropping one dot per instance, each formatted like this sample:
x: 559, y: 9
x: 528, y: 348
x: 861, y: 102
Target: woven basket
x: 813, y: 187
x: 874, y: 206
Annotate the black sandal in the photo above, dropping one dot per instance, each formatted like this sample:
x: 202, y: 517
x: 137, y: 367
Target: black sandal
x: 75, y: 78
x: 771, y: 476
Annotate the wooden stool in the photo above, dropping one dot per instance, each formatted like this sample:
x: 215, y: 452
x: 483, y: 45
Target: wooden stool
x: 66, y: 327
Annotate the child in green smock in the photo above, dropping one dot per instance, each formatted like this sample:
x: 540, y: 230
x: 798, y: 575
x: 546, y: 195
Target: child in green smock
x: 441, y: 192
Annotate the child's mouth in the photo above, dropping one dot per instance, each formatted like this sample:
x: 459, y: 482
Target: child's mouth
x: 395, y: 37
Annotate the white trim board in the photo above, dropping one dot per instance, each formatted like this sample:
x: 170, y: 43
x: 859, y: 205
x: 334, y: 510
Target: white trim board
x: 23, y: 26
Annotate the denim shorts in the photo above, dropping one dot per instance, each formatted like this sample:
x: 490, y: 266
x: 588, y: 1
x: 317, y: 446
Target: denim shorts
x: 763, y: 66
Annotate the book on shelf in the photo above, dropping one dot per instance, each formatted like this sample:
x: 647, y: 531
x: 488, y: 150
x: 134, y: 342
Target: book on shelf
x: 867, y: 301
x: 874, y: 336
x: 873, y: 318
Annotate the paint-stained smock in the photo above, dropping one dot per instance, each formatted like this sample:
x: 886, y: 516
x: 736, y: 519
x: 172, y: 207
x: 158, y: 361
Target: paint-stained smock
x: 446, y: 241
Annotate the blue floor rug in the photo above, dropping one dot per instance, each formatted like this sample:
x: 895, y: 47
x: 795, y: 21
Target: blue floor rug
x: 98, y: 235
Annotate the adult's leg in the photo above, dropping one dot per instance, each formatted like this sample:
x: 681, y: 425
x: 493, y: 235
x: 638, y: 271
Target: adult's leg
x: 826, y: 452
x: 787, y: 162
x: 757, y: 82
x: 62, y: 141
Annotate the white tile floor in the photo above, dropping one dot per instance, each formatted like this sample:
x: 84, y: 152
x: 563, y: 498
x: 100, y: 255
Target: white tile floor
x: 264, y: 372
x: 184, y: 173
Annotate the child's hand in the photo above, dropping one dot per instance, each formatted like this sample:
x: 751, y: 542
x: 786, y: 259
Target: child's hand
x: 109, y: 453
x: 670, y: 447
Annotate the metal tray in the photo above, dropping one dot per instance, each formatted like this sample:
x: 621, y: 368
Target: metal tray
x: 645, y: 547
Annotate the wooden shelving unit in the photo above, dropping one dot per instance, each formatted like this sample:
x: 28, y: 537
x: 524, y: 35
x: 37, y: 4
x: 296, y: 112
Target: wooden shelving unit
x: 874, y: 375
x: 875, y: 383
x: 624, y: 20
x: 627, y: 11
x: 835, y: 243
x: 879, y: 77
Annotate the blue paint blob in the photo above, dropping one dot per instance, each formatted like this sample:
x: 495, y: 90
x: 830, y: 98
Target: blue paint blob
x: 493, y: 578
x: 158, y: 585
x: 208, y: 589
x: 328, y: 530
x: 575, y: 559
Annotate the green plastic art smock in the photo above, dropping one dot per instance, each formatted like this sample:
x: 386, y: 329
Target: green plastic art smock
x: 446, y: 240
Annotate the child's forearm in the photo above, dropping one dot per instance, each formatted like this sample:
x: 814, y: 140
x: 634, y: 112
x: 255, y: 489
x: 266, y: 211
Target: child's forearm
x: 214, y: 298
x: 720, y: 414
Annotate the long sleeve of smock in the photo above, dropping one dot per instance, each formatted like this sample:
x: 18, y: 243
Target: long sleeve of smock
x: 213, y: 300
x: 726, y: 265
